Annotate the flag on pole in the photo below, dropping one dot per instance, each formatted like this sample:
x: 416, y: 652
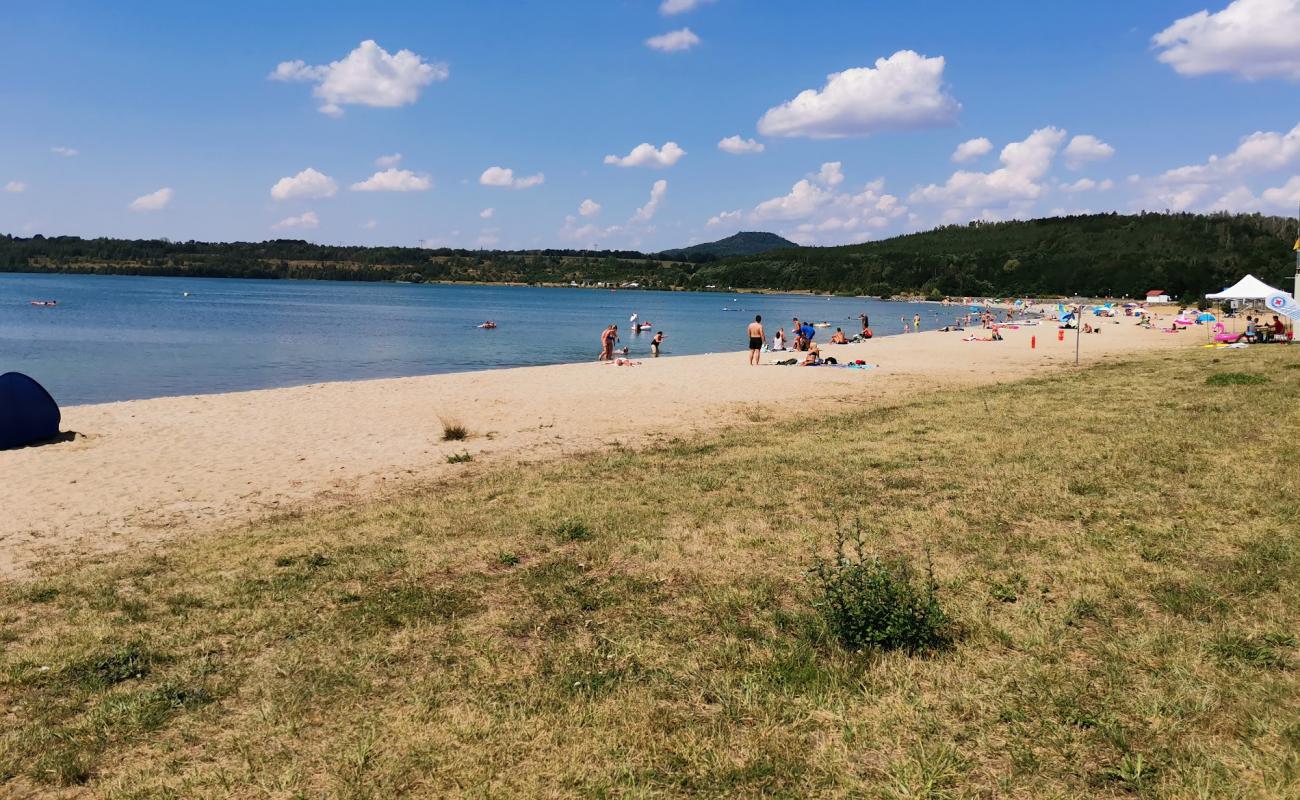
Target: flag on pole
x: 1297, y: 245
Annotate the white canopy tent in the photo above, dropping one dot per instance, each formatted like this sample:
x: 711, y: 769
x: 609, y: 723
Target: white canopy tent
x: 1248, y: 288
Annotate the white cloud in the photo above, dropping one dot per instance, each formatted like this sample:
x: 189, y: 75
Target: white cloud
x: 670, y: 7
x: 487, y: 213
x: 1024, y: 163
x: 368, y: 76
x: 1253, y: 39
x: 1088, y: 185
x: 15, y: 187
x: 673, y: 41
x: 1284, y: 197
x: 589, y: 208
x: 394, y: 180
x: 308, y: 184
x: 657, y: 192
x: 739, y: 147
x: 726, y: 218
x: 154, y: 201
x: 370, y: 224
x: 306, y: 220
x: 830, y: 174
x: 1086, y: 148
x: 904, y: 91
x: 971, y: 149
x: 804, y: 198
x: 647, y: 155
x: 66, y: 152
x: 505, y: 177
x: 388, y: 161
x: 1261, y: 151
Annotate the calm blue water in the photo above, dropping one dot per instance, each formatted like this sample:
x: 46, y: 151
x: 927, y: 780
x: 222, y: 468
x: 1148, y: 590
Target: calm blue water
x: 120, y: 338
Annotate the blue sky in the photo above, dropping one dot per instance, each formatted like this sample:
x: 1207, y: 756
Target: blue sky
x: 181, y: 128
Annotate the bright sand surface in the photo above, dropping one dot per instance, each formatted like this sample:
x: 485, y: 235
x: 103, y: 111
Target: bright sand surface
x: 148, y: 470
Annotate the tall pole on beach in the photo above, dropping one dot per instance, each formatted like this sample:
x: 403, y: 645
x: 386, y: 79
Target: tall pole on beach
x: 1078, y: 329
x: 1296, y: 247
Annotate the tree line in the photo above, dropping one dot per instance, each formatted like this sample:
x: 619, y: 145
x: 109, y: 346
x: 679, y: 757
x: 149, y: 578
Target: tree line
x: 1185, y: 255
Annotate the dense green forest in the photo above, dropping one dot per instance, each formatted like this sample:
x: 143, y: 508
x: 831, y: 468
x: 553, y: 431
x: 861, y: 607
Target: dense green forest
x: 1097, y: 255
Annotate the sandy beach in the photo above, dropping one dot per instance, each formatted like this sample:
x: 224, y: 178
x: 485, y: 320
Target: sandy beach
x: 144, y: 471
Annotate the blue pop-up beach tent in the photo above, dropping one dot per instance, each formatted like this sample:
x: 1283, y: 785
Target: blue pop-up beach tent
x: 27, y: 412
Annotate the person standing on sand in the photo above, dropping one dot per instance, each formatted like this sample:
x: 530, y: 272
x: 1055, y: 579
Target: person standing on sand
x: 607, y: 340
x: 756, y: 339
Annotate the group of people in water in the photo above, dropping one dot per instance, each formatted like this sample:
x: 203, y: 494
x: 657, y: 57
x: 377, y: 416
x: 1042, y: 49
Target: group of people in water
x: 609, y: 341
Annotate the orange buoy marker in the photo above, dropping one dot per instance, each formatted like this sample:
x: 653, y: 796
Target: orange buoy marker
x: 1033, y: 342
x: 1060, y: 336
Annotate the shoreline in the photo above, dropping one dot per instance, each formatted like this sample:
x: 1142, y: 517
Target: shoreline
x: 143, y: 471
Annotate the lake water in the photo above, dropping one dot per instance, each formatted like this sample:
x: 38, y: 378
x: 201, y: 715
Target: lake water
x: 120, y: 337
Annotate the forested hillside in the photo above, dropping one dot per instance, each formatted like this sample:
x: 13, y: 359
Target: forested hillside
x: 1100, y: 255
x: 1097, y: 255
x: 745, y: 243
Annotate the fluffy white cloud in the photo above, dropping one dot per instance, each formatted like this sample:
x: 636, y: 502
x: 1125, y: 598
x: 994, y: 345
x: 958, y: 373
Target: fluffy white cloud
x: 368, y: 76
x: 670, y: 7
x: 830, y: 174
x: 1261, y: 151
x: 66, y: 152
x: 673, y: 41
x: 505, y: 177
x: 971, y: 149
x: 1088, y: 185
x: 15, y: 187
x: 307, y: 220
x: 394, y: 180
x: 804, y: 198
x: 1286, y: 196
x: 487, y: 213
x: 1024, y: 164
x: 739, y: 147
x: 1253, y: 39
x: 657, y: 193
x: 589, y: 208
x: 726, y: 218
x: 904, y: 91
x: 308, y: 184
x: 154, y: 201
x: 1086, y: 148
x: 647, y: 155
x: 388, y: 161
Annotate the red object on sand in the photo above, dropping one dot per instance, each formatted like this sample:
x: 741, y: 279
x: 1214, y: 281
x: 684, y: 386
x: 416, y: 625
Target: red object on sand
x: 1033, y: 342
x: 1060, y: 336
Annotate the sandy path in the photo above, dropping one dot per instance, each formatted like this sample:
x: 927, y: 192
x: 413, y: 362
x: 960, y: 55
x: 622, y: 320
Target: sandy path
x: 146, y: 470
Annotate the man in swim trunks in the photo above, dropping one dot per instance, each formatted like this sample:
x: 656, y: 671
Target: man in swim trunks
x: 756, y: 339
x: 607, y: 339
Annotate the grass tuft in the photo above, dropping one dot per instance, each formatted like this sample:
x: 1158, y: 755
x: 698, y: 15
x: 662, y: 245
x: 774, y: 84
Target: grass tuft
x: 459, y: 458
x: 454, y: 430
x: 1234, y: 379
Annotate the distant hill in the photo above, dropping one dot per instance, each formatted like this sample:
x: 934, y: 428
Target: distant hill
x: 745, y: 243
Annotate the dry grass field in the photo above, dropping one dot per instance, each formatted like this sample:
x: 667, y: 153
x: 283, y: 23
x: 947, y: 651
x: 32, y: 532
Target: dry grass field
x: 1118, y: 550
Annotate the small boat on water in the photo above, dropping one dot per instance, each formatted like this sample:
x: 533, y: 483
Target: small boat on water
x: 45, y: 303
x: 489, y: 325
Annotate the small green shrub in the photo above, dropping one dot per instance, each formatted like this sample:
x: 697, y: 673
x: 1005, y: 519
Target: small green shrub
x: 872, y: 601
x: 507, y: 559
x: 459, y: 458
x: 1234, y: 379
x: 571, y: 530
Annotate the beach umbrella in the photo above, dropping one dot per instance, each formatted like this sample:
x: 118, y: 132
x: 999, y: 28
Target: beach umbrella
x: 1205, y: 316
